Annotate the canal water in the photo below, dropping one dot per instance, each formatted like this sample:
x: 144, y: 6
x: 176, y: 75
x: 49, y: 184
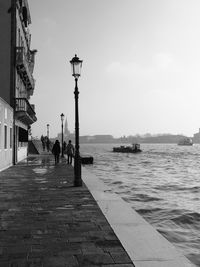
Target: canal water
x: 162, y: 184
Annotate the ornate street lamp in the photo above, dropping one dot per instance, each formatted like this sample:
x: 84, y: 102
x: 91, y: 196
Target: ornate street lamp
x: 62, y: 118
x: 48, y: 130
x: 76, y: 65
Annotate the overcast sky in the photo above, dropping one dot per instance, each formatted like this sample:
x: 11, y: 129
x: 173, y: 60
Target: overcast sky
x: 141, y: 64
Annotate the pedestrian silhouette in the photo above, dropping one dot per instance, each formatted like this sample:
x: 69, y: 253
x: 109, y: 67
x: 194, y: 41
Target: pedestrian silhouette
x: 70, y: 152
x: 47, y: 143
x: 43, y: 142
x: 64, y: 147
x: 56, y: 151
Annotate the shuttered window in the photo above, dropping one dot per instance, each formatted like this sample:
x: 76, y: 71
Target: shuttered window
x: 5, y: 137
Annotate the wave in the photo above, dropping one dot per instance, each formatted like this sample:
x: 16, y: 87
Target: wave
x: 147, y: 211
x: 145, y: 198
x: 177, y: 187
x: 190, y: 219
x: 117, y: 183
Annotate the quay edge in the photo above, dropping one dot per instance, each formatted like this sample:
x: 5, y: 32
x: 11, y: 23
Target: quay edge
x: 144, y: 245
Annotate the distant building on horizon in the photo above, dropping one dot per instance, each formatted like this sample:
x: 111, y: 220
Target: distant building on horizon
x: 100, y: 138
x: 66, y: 133
x: 66, y: 130
x: 196, y: 137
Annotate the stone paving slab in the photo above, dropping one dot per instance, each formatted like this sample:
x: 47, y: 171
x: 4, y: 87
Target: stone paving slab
x: 47, y: 222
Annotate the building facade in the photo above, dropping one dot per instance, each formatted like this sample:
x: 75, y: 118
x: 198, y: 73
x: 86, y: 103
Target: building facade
x: 6, y: 134
x: 16, y: 80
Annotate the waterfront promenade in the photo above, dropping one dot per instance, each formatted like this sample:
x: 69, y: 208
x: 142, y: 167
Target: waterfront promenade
x: 47, y: 222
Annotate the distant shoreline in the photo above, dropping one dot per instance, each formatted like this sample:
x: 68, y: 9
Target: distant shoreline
x: 150, y: 139
x: 159, y: 139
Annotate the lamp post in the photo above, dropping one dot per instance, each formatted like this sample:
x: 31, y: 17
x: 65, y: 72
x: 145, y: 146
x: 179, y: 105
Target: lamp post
x: 76, y: 65
x: 48, y: 130
x: 62, y: 118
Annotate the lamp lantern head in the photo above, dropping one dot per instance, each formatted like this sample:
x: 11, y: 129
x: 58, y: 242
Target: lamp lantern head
x: 62, y: 116
x: 76, y: 65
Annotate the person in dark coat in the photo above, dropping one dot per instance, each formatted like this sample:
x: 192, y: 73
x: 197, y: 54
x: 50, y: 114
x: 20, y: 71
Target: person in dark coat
x: 47, y: 144
x: 43, y: 142
x: 70, y: 152
x: 56, y: 151
x: 64, y: 147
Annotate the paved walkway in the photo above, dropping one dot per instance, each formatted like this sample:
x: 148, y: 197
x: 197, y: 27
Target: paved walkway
x: 47, y: 222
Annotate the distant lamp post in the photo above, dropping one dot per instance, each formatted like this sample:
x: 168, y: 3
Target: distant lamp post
x: 62, y: 118
x: 76, y: 65
x: 48, y: 130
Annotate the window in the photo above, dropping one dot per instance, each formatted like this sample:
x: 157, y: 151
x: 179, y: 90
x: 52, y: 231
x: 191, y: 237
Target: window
x: 6, y: 113
x: 11, y: 138
x: 5, y: 136
x: 19, y: 34
x: 23, y: 135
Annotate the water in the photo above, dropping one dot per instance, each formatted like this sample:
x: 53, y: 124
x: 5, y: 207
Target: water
x: 162, y: 184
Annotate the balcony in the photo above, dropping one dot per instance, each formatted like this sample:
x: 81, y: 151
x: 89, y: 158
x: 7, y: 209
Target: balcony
x: 24, y: 68
x: 24, y: 111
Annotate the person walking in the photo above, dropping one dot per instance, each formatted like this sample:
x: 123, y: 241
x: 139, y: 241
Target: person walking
x: 64, y: 147
x: 56, y: 151
x: 70, y: 152
x: 47, y: 144
x: 43, y: 142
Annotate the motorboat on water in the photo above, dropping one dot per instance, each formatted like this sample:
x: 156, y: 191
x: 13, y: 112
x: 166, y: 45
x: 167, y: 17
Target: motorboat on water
x: 186, y: 141
x: 135, y: 148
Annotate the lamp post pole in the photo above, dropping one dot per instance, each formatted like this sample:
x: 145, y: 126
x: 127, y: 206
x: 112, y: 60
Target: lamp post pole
x: 48, y: 131
x: 62, y: 118
x: 77, y: 159
x: 76, y: 70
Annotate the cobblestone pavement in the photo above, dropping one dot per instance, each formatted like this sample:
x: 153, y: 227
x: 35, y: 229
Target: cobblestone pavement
x: 47, y: 222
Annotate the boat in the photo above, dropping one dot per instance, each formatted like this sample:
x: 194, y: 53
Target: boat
x: 86, y: 159
x: 186, y: 141
x: 135, y: 148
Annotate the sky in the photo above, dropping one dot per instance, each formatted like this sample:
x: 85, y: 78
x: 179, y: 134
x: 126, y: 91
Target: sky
x: 140, y: 72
